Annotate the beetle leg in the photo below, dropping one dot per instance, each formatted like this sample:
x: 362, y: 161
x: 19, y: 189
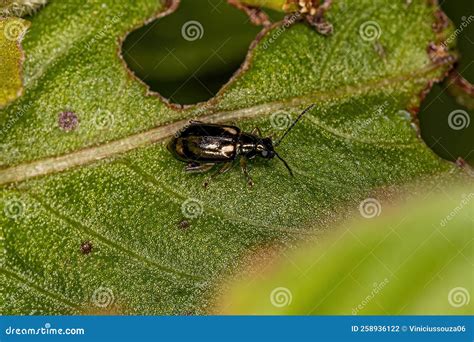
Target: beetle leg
x: 196, y: 167
x: 226, y: 167
x: 243, y: 166
x: 256, y: 131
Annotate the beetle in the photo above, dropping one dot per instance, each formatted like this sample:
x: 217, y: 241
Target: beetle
x: 204, y: 145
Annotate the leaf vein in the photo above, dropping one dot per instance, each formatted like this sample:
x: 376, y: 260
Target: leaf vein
x: 18, y: 278
x: 112, y: 243
x: 89, y: 155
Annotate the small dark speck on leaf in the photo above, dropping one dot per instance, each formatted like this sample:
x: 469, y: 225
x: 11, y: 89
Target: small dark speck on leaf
x: 68, y: 121
x: 184, y: 224
x: 86, y: 247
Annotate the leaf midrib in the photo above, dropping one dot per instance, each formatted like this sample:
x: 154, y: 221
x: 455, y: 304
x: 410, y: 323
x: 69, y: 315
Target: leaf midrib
x: 45, y: 166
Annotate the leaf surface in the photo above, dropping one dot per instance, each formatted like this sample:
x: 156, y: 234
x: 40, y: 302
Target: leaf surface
x: 87, y: 162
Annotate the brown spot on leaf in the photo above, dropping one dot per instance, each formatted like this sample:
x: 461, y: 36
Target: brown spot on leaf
x: 184, y: 224
x: 86, y: 247
x: 68, y: 121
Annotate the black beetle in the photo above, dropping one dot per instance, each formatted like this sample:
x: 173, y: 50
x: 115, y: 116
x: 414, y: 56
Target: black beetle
x: 203, y: 145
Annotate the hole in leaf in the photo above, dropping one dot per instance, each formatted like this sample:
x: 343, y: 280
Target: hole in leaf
x: 190, y: 54
x: 446, y: 125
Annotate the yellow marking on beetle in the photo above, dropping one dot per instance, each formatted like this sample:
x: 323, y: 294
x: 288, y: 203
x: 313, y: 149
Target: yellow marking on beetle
x: 228, y: 148
x: 231, y: 130
x: 179, y: 146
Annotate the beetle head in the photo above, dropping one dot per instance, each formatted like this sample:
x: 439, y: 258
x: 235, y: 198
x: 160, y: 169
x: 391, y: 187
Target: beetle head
x: 265, y: 148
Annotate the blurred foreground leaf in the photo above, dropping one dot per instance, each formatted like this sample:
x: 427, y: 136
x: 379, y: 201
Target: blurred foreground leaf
x: 414, y: 258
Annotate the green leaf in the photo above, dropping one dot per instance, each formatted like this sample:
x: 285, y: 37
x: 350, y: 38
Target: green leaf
x: 411, y: 258
x: 11, y: 58
x: 85, y: 162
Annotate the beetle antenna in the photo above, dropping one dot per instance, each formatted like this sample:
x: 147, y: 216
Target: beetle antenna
x: 293, y: 124
x: 286, y: 164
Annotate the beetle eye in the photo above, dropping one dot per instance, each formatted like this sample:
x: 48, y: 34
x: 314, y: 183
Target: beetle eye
x: 264, y: 153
